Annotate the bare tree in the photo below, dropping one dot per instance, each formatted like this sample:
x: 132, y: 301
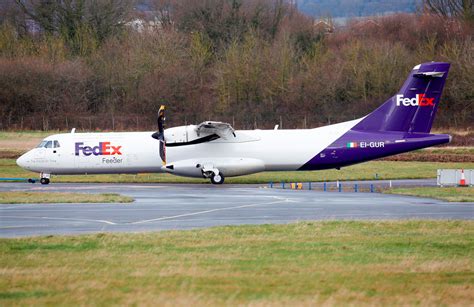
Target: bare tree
x: 452, y: 8
x: 164, y: 10
x: 12, y: 15
x: 69, y: 17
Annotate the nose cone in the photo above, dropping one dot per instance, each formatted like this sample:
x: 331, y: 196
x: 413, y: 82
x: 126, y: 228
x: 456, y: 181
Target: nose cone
x: 22, y: 161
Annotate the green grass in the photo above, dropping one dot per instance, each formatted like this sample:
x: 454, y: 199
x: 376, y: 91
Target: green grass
x: 336, y: 263
x: 56, y: 197
x: 452, y: 194
x: 364, y: 171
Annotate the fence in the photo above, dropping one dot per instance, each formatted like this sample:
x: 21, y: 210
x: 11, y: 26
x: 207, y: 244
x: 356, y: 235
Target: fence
x: 452, y: 177
x: 82, y: 123
x: 137, y: 122
x: 338, y: 186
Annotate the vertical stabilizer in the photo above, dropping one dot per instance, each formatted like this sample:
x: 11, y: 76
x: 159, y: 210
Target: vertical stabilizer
x: 414, y: 107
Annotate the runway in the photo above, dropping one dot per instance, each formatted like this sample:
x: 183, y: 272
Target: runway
x: 187, y: 206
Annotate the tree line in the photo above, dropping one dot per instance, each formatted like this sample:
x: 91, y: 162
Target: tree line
x: 252, y: 63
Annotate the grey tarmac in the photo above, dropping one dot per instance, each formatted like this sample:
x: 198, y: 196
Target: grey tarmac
x: 188, y: 206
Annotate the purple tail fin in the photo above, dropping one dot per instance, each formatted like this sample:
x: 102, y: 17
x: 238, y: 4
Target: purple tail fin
x: 414, y: 107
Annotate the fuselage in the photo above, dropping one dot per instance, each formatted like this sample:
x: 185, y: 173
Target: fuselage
x: 250, y: 151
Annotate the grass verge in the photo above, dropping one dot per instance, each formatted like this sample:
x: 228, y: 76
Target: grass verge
x: 452, y: 194
x: 56, y: 197
x: 374, y: 263
x: 364, y: 171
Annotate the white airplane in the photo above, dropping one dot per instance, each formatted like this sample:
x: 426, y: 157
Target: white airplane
x: 214, y: 149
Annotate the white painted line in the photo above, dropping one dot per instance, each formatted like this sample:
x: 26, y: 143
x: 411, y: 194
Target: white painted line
x: 280, y: 200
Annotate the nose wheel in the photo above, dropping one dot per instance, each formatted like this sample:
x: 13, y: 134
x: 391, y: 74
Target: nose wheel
x: 217, y: 179
x: 44, y: 178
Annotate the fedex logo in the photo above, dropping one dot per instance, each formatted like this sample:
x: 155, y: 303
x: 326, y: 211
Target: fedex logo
x: 104, y: 148
x: 419, y: 100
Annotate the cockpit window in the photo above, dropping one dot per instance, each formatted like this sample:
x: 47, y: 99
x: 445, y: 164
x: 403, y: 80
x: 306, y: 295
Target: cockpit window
x: 41, y: 145
x: 48, y: 144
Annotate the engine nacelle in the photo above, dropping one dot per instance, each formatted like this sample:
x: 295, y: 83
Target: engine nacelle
x: 229, y: 167
x: 180, y: 134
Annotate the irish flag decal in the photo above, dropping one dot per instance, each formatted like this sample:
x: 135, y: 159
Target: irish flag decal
x: 352, y: 145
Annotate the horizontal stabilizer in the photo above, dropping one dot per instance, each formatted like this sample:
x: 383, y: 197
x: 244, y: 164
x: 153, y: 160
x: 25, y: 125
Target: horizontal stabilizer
x: 430, y: 74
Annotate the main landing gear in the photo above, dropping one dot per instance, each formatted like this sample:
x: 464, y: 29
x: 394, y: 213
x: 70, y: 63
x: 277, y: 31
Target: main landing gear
x: 212, y: 173
x: 44, y: 178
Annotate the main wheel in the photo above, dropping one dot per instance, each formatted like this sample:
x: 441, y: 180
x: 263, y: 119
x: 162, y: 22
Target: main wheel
x: 217, y: 179
x: 44, y: 180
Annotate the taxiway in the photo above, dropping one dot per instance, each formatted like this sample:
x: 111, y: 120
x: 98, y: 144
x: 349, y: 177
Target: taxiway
x: 188, y: 206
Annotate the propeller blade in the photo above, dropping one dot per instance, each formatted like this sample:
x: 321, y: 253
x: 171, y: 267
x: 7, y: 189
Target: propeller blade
x: 160, y: 134
x: 163, y: 151
x: 161, y: 119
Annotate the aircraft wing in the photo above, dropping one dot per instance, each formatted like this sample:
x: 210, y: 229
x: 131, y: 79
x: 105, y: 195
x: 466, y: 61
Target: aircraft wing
x: 223, y: 130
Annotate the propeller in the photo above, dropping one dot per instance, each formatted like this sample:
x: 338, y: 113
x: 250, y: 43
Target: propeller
x: 160, y: 134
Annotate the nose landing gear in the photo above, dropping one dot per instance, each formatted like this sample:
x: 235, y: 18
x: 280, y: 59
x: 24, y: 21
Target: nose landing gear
x: 44, y: 178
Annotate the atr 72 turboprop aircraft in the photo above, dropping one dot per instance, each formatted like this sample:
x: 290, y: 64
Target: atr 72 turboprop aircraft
x: 214, y: 149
